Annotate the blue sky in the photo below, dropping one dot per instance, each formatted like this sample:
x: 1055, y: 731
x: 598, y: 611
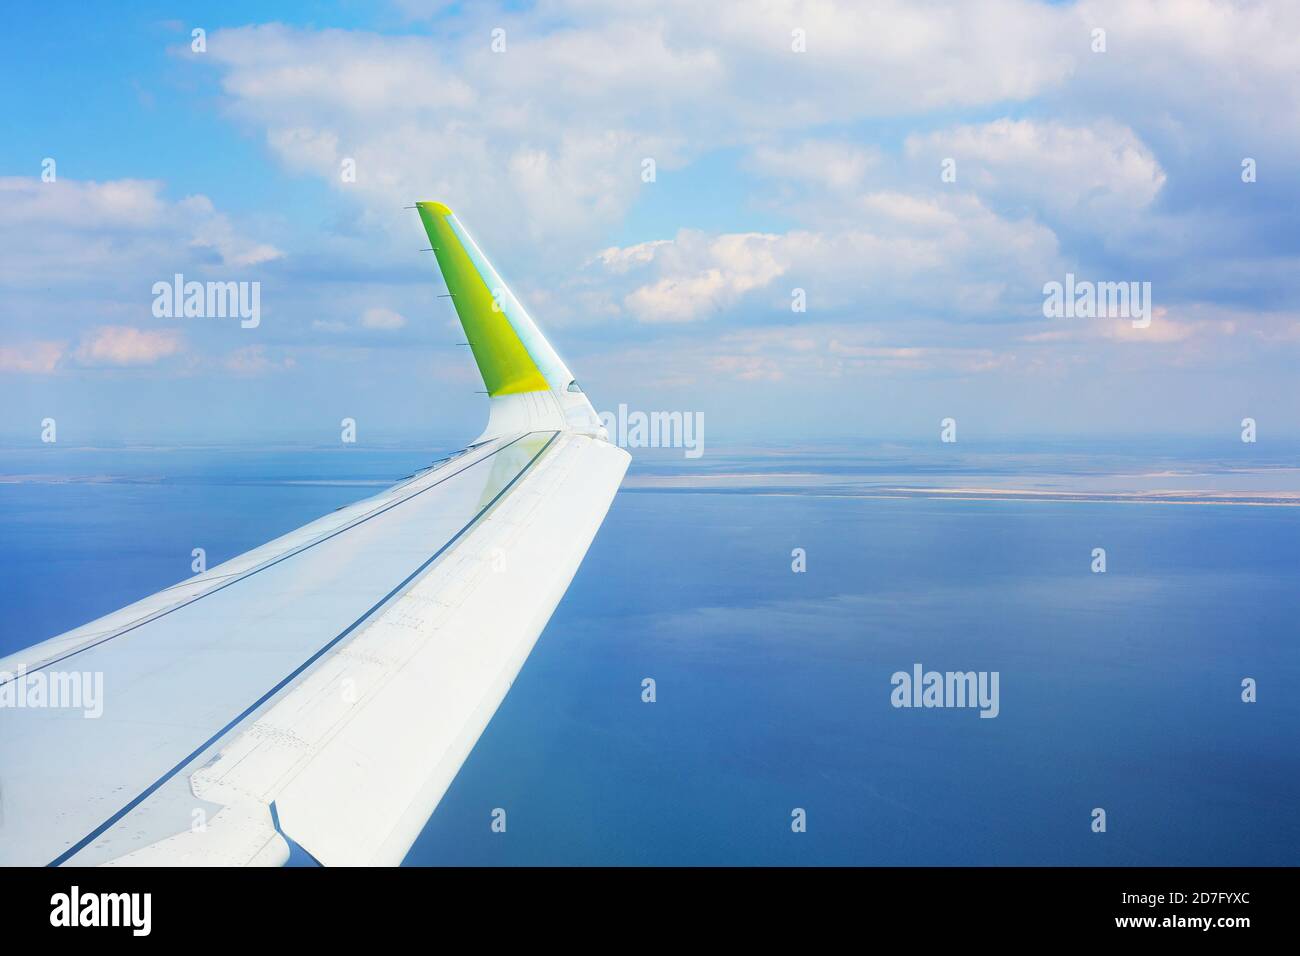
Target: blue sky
x: 776, y: 170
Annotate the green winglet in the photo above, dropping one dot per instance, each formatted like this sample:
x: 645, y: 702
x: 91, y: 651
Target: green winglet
x: 503, y: 360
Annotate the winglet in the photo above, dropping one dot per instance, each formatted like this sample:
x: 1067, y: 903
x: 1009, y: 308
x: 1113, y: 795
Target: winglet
x: 513, y: 356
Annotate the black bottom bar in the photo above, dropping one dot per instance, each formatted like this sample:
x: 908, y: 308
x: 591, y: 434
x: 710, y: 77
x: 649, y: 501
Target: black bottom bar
x: 300, y: 906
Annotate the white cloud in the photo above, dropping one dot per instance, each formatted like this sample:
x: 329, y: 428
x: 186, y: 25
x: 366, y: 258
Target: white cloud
x: 539, y: 148
x: 888, y: 254
x: 257, y: 360
x: 704, y: 275
x: 211, y: 230
x: 104, y: 231
x: 831, y: 165
x: 620, y: 260
x: 32, y: 358
x: 1099, y: 170
x: 377, y: 318
x: 1208, y: 72
x: 545, y: 141
x: 125, y: 204
x: 120, y: 345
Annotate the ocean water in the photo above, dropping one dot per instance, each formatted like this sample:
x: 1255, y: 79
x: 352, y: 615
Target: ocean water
x: 1119, y: 690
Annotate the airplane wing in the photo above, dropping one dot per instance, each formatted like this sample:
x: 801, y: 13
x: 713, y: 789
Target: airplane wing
x: 325, y: 688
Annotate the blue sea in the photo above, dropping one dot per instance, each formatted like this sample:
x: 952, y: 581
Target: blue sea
x: 1118, y: 690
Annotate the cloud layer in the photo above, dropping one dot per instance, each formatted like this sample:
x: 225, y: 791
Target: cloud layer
x: 842, y: 193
